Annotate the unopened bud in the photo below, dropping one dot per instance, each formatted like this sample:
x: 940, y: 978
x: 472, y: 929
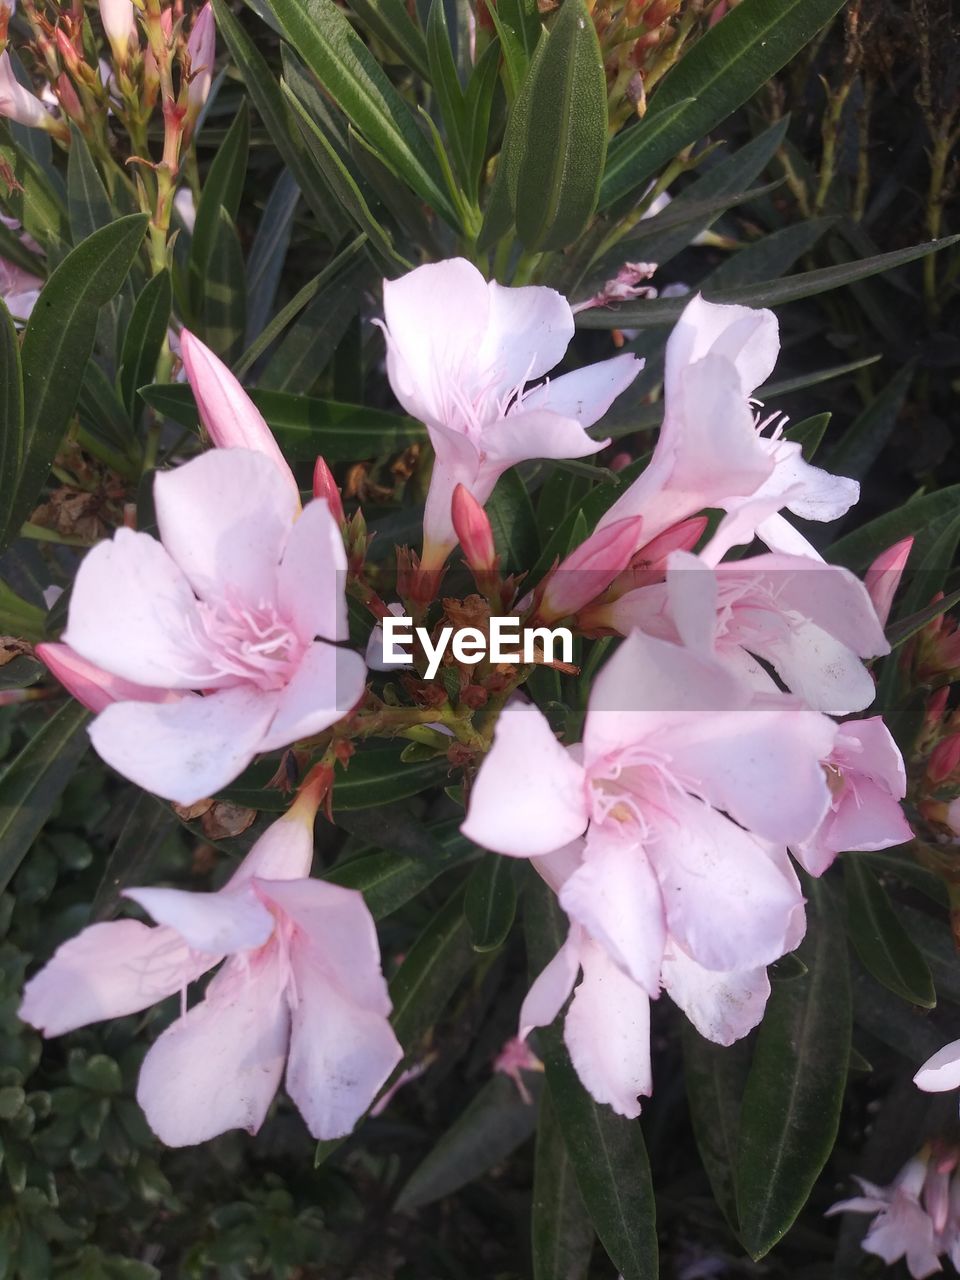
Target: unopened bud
x: 883, y: 577
x: 473, y: 529
x: 18, y: 103
x: 324, y: 486
x: 120, y: 27
x: 201, y: 52
x: 590, y: 568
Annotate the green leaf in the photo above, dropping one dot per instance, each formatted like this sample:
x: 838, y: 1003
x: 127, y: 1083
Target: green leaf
x: 268, y: 252
x: 87, y: 200
x: 306, y: 426
x: 389, y: 20
x: 431, y: 972
x: 34, y: 780
x: 144, y: 338
x: 860, y: 446
x: 347, y: 69
x: 11, y: 409
x: 491, y: 902
x: 858, y: 549
x: 882, y: 943
x: 477, y: 108
x: 446, y: 84
x: 793, y: 1095
x: 899, y: 632
x: 224, y: 307
x: 132, y: 860
x: 492, y: 1126
x: 808, y: 434
x: 715, y: 1076
x: 32, y: 200
x: 20, y: 618
x: 561, y: 1236
x: 514, y: 523
x: 607, y: 1151
x: 557, y: 135
x: 767, y: 293
x: 375, y: 777
x: 768, y: 257
x: 276, y: 116
x: 930, y: 569
x: 221, y: 190
x: 57, y: 345
x: 726, y: 66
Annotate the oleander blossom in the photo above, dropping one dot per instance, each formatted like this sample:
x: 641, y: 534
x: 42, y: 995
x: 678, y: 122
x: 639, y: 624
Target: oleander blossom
x: 231, y: 619
x: 666, y: 833
x: 301, y: 987
x: 461, y: 352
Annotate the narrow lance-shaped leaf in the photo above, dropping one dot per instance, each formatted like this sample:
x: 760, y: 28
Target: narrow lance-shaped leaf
x: 882, y: 943
x: 11, y: 409
x: 144, y: 338
x: 491, y: 902
x: 561, y: 1236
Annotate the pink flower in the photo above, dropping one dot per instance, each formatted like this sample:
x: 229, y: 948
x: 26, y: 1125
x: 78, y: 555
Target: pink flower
x: 229, y: 416
x: 301, y: 986
x: 460, y: 352
x: 202, y: 52
x: 514, y: 1058
x: 867, y: 782
x: 883, y: 577
x: 589, y: 569
x: 19, y: 289
x: 812, y: 622
x: 711, y: 453
x: 902, y: 1228
x: 223, y: 610
x: 18, y: 103
x: 687, y: 788
x: 627, y: 284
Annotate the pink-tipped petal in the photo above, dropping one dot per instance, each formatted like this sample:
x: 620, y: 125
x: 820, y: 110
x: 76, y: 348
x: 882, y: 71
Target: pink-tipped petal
x: 90, y: 684
x: 202, y: 48
x: 215, y: 923
x: 229, y: 416
x: 529, y: 796
x: 311, y: 583
x: 218, y: 1067
x: 883, y: 577
x: 590, y: 568
x: 327, y: 684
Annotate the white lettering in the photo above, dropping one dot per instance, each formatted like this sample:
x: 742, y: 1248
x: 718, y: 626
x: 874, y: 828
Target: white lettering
x: 505, y: 632
x: 548, y: 639
x: 396, y: 632
x: 433, y: 651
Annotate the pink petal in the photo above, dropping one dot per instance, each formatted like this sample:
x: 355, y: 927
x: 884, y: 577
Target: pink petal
x: 552, y: 986
x: 692, y: 590
x: 590, y: 568
x: 132, y: 612
x: 283, y: 852
x: 312, y: 579
x: 819, y: 669
x: 202, y: 47
x: 528, y: 797
x: 457, y: 462
x: 528, y: 332
x: 587, y: 393
x: 327, y: 683
x: 224, y: 518
x: 335, y: 934
x: 867, y: 748
x: 607, y: 1032
x: 868, y: 819
x: 215, y: 923
x: 749, y: 339
x: 809, y: 492
x: 728, y: 904
x: 91, y: 685
x: 723, y: 1007
x: 534, y: 433
x: 186, y: 750
x: 615, y: 896
x: 229, y: 416
x: 942, y: 1071
x: 883, y: 577
x: 218, y: 1067
x: 108, y: 971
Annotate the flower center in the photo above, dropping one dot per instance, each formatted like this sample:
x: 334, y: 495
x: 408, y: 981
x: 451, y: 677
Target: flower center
x: 241, y: 643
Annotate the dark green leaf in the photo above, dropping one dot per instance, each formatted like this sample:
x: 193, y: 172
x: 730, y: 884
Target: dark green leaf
x: 860, y: 446
x: 793, y: 1096
x: 858, y: 549
x: 514, y: 523
x: 715, y: 1076
x: 491, y: 902
x: 726, y: 66
x: 561, y: 1236
x: 132, y: 860
x: 224, y: 307
x: 768, y: 257
x: 808, y: 434
x: 767, y: 293
x: 929, y: 570
x: 882, y: 943
x: 431, y: 972
x: 268, y: 252
x: 221, y: 191
x: 899, y: 632
x: 87, y: 200
x: 57, y: 345
x: 477, y: 108
x: 33, y: 781
x: 144, y: 338
x: 306, y: 426
x: 11, y: 411
x: 557, y: 135
x: 33, y: 201
x: 492, y: 1126
x: 389, y: 20
x: 446, y: 84
x: 333, y: 51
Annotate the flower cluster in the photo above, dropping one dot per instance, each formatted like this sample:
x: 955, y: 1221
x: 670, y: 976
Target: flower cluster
x: 709, y: 754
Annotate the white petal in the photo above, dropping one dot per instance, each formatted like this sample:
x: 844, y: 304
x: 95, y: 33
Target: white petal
x: 218, y: 923
x: 311, y: 583
x: 723, y: 1007
x: 942, y: 1071
x: 327, y: 683
x: 587, y: 393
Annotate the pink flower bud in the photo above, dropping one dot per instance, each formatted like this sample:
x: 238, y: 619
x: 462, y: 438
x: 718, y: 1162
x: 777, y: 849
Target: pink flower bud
x: 90, y: 684
x: 231, y: 419
x: 324, y: 486
x: 944, y: 759
x: 472, y: 528
x: 120, y: 27
x: 883, y: 576
x: 682, y: 536
x: 201, y: 50
x: 590, y: 568
x: 18, y: 103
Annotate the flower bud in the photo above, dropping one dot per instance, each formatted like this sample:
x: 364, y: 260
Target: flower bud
x: 589, y: 569
x: 18, y: 103
x: 883, y: 577
x: 324, y: 486
x: 90, y: 684
x: 201, y: 52
x: 120, y: 26
x: 473, y: 529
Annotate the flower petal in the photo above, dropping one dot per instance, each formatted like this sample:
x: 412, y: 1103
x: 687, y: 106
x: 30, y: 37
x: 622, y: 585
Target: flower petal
x: 723, y: 1007
x: 107, y: 971
x: 748, y: 338
x: 216, y: 923
x: 90, y: 684
x: 534, y: 433
x: 528, y: 332
x: 728, y: 904
x: 224, y: 518
x: 326, y: 685
x: 941, y: 1072
x: 186, y: 750
x: 311, y: 582
x: 587, y: 393
x: 528, y: 797
x: 218, y: 1067
x: 552, y: 986
x: 821, y: 670
x: 615, y: 896
x: 131, y: 613
x: 607, y: 1032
